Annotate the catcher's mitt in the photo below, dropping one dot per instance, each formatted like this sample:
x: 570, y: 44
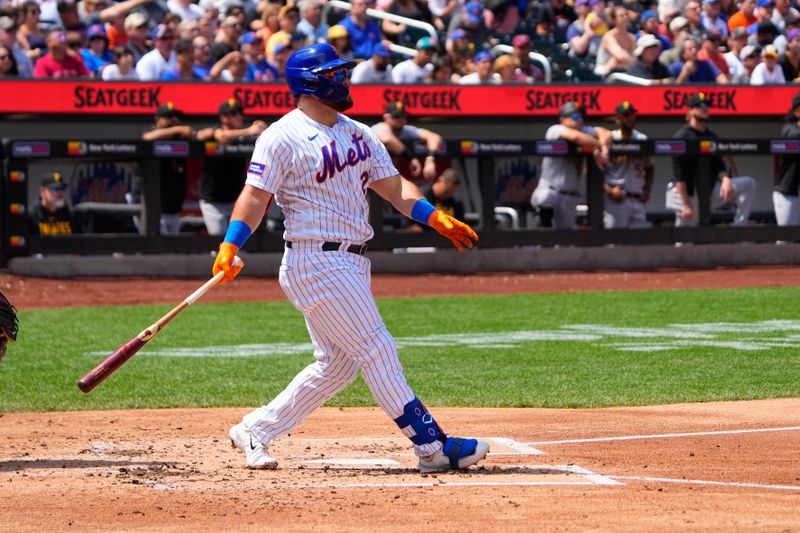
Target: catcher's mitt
x: 8, y: 324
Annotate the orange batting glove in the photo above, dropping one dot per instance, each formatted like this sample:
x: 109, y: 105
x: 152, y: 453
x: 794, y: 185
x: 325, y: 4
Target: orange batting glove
x: 224, y: 262
x: 459, y: 233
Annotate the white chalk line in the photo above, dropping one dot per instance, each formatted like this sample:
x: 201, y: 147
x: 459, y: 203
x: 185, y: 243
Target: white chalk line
x: 705, y: 482
x: 666, y: 435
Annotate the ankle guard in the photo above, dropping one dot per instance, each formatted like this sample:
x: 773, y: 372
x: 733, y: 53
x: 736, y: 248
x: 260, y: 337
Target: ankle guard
x: 418, y: 424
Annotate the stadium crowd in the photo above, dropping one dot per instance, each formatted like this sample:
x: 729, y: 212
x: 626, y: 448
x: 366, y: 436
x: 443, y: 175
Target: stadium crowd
x: 664, y: 41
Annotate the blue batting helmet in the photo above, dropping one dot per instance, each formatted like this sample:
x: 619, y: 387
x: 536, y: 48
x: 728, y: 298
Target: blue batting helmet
x: 306, y: 69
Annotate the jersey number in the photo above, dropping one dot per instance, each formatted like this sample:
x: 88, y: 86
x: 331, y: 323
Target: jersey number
x: 364, y: 181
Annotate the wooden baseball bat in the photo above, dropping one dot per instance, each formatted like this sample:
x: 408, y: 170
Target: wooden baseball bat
x: 111, y: 363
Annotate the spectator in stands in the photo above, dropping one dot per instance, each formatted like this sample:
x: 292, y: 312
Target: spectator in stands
x: 506, y: 68
x: 617, y: 45
x: 394, y: 132
x: 460, y: 50
x: 162, y: 58
x: 115, y: 31
x: 30, y: 35
x: 443, y: 71
x: 712, y: 20
x: 185, y: 9
x: 232, y: 67
x: 442, y: 195
x: 785, y: 195
x: 202, y: 57
x: 521, y: 52
x: 790, y: 62
x: 136, y: 29
x: 364, y: 33
x: 288, y: 17
x: 647, y: 65
x: 664, y: 28
x: 691, y: 69
x: 417, y: 68
x: 57, y: 63
x: 750, y: 58
x: 207, y: 24
x: 8, y: 38
x: 223, y: 177
x: 482, y: 63
x: 413, y: 9
x: 443, y: 12
x: 745, y: 16
x: 280, y: 56
x: 184, y: 63
x: 681, y: 195
x: 692, y: 13
x: 710, y: 50
x: 227, y: 39
x: 378, y: 69
x: 556, y: 18
x: 97, y: 55
x: 172, y: 171
x: 766, y: 33
x: 339, y: 38
x: 311, y: 24
x: 768, y: 72
x: 8, y: 66
x: 763, y: 14
x: 188, y: 30
x: 650, y: 26
x: 557, y: 195
x: 173, y: 21
x: 269, y: 22
x: 501, y: 18
x: 679, y: 29
x: 52, y: 216
x: 121, y: 69
x: 584, y: 37
x: 69, y: 19
x: 94, y: 12
x: 628, y: 179
x: 471, y: 22
x: 736, y: 42
x: 782, y: 13
x: 258, y: 68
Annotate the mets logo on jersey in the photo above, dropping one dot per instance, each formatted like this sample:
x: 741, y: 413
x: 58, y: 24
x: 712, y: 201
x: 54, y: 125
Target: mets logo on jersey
x: 256, y: 169
x: 332, y: 162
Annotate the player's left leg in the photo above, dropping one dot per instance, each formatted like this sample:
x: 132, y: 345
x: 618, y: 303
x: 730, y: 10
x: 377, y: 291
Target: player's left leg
x: 744, y: 194
x: 637, y: 213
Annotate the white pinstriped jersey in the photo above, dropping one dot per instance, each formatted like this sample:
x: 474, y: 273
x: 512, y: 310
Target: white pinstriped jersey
x: 319, y: 176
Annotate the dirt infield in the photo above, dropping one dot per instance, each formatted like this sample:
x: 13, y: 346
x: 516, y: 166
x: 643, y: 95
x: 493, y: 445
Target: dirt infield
x: 712, y: 467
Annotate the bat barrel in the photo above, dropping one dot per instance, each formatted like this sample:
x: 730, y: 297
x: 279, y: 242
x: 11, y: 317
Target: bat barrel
x: 107, y: 367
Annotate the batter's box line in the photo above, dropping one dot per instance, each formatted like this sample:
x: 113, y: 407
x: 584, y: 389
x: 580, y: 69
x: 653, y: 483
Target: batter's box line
x: 520, y: 448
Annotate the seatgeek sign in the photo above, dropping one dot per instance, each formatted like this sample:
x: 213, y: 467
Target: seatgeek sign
x: 140, y: 98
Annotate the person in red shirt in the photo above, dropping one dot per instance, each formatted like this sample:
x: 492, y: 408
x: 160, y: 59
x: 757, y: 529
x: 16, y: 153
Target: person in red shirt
x: 744, y: 17
x: 710, y: 51
x: 58, y: 63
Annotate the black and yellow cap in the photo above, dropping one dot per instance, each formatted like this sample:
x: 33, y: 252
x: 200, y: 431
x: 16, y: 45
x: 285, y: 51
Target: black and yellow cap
x: 625, y: 107
x: 231, y: 105
x: 396, y: 110
x: 697, y: 100
x: 53, y: 179
x: 168, y: 110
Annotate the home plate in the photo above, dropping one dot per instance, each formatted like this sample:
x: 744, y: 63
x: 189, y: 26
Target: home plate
x: 371, y: 461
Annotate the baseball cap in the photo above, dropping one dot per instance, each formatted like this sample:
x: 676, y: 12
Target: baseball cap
x: 54, y: 179
x: 765, y: 26
x: 794, y: 33
x: 426, y: 43
x: 570, y: 108
x: 739, y: 33
x: 521, y: 40
x: 473, y: 11
x: 381, y: 50
x: 646, y: 41
x: 396, y: 110
x: 249, y: 38
x: 765, y: 3
x: 65, y: 5
x: 279, y: 47
x: 168, y: 110
x: 96, y: 30
x: 747, y: 51
x: 770, y: 51
x: 712, y: 35
x: 231, y: 105
x: 134, y: 20
x: 648, y: 14
x: 697, y: 100
x: 677, y: 24
x: 625, y: 107
x: 159, y: 31
x: 482, y: 56
x: 7, y: 23
x: 458, y: 33
x: 337, y: 31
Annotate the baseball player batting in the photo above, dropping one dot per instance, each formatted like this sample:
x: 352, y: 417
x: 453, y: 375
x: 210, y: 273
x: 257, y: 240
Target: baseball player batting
x: 318, y: 165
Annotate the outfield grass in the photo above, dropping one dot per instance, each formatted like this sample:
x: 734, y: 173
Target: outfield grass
x: 41, y: 369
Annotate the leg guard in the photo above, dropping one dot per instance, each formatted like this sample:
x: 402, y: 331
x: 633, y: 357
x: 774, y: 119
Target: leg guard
x: 418, y: 424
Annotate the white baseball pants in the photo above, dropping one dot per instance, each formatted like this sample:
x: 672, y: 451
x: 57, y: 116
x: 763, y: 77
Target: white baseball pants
x: 630, y: 213
x: 744, y: 194
x: 332, y: 290
x: 787, y: 209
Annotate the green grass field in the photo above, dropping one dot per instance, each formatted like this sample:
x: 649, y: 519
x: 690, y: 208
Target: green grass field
x: 551, y: 350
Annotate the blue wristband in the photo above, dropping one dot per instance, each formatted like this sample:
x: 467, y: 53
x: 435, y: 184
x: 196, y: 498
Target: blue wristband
x: 422, y: 210
x: 237, y: 233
